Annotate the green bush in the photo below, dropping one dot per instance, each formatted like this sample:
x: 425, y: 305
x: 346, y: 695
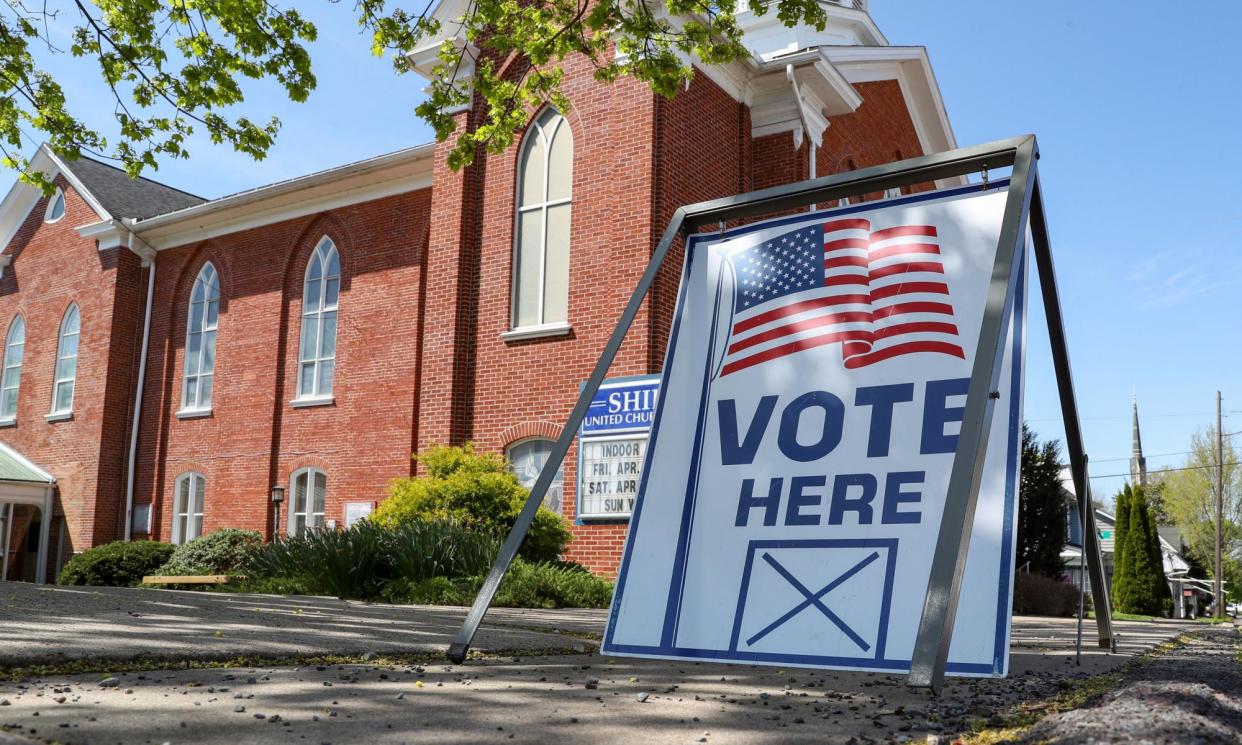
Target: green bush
x: 431, y: 591
x: 345, y: 563
x: 546, y: 585
x: 424, y: 549
x: 118, y: 564
x: 220, y: 552
x: 526, y: 585
x: 477, y: 491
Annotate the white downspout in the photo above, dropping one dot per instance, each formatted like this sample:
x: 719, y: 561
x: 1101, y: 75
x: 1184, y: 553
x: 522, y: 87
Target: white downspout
x: 148, y: 258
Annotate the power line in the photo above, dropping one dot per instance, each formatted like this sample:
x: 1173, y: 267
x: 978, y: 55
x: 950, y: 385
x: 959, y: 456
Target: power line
x: 1127, y: 416
x: 1162, y: 470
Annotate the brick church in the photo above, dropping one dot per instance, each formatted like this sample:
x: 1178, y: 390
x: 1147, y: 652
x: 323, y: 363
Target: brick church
x: 170, y: 361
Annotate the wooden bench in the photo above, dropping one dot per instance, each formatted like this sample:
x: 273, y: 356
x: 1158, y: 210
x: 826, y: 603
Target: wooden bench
x: 189, y: 579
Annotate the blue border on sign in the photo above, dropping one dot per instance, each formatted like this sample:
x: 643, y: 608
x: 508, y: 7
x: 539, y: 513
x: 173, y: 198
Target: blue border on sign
x: 669, y: 649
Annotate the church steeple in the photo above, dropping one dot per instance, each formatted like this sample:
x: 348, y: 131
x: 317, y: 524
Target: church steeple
x: 1138, y: 464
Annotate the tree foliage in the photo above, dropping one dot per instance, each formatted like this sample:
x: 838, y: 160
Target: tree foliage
x: 1041, y: 506
x: 1139, y: 584
x: 1188, y: 494
x: 476, y: 491
x: 175, y: 66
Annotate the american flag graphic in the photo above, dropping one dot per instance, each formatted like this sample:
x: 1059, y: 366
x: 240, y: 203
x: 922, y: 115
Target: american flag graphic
x: 880, y: 294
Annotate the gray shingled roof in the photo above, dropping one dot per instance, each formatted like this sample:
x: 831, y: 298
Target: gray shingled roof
x: 122, y: 196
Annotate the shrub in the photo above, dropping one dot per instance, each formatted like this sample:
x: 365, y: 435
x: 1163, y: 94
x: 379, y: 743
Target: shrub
x: 424, y: 549
x: 1037, y: 595
x: 345, y: 563
x: 118, y: 564
x: 477, y: 491
x: 431, y: 591
x: 526, y: 585
x: 220, y: 552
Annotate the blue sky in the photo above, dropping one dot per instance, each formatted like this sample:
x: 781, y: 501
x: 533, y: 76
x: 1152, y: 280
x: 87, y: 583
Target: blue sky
x: 1135, y: 108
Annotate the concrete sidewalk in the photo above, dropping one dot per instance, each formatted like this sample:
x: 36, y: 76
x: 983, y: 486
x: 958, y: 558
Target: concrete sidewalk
x: 544, y: 696
x: 47, y: 624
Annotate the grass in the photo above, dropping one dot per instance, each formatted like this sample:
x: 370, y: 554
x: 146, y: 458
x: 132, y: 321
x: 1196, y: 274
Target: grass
x: 1141, y: 617
x: 1024, y: 716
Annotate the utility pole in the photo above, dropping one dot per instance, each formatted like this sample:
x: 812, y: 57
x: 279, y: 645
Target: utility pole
x: 1220, y: 508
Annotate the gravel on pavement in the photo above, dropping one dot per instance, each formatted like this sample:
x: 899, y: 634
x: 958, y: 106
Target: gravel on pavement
x: 1191, y: 696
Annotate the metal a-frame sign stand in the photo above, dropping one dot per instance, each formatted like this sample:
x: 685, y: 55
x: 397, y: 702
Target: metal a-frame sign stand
x: 1023, y: 209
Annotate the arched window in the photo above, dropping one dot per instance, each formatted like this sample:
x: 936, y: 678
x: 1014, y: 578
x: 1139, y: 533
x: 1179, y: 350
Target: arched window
x: 66, y: 362
x: 200, y: 341
x: 55, y: 207
x: 11, y: 380
x: 310, y: 491
x: 526, y: 460
x: 188, y: 507
x: 541, y: 251
x: 317, y: 359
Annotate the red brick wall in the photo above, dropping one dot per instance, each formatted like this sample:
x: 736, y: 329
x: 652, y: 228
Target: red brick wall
x: 880, y: 131
x: 53, y: 267
x: 425, y: 299
x: 254, y: 438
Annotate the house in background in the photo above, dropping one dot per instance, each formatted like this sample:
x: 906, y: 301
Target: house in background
x: 1189, y: 594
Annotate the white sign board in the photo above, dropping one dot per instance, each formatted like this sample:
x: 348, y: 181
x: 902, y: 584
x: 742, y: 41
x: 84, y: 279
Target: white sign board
x: 798, y: 463
x: 609, y: 474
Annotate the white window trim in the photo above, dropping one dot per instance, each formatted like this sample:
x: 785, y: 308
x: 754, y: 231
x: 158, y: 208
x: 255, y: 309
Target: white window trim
x: 199, y: 409
x: 59, y: 195
x: 56, y: 415
x: 193, y: 413
x: 4, y: 373
x: 309, y: 472
x: 560, y: 470
x: 559, y: 328
x: 310, y: 401
x: 313, y: 398
x: 177, y: 535
x: 530, y: 331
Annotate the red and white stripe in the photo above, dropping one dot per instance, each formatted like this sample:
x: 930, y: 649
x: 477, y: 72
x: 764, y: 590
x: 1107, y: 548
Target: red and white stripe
x: 884, y: 295
x: 910, y: 307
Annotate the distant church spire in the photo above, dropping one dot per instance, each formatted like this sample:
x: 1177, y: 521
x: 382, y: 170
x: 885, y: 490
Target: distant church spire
x: 1138, y: 464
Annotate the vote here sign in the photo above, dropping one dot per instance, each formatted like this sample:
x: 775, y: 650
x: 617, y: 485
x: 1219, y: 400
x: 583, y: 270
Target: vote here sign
x: 796, y: 473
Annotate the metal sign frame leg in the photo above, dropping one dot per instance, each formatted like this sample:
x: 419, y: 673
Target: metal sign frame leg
x: 932, y: 648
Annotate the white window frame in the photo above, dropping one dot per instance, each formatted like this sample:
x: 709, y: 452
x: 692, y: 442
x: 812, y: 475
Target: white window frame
x: 57, y: 198
x: 187, y: 517
x: 60, y: 378
x: 313, y: 519
x: 314, y: 358
x: 536, y: 135
x: 558, y: 481
x: 11, y: 378
x: 208, y: 280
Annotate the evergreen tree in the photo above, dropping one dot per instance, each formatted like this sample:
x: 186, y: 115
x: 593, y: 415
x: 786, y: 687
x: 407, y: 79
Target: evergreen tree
x: 1041, y: 506
x: 1121, y: 567
x: 1138, y: 579
x: 1159, y: 583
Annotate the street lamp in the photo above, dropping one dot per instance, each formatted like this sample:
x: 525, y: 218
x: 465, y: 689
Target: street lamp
x: 278, y: 496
